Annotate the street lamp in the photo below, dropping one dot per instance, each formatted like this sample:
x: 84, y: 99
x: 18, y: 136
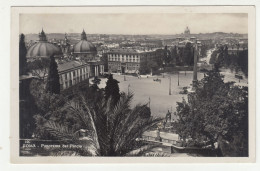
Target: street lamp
x: 170, y: 82
x: 178, y: 79
x: 128, y: 88
x: 149, y: 102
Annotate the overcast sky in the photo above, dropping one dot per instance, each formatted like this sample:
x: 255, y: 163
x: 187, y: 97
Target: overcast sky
x: 164, y: 23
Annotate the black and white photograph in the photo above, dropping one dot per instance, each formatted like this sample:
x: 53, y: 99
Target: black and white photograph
x: 111, y: 82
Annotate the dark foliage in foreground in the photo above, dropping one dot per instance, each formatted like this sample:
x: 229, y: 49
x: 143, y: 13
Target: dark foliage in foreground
x: 53, y: 79
x: 22, y: 56
x: 111, y: 130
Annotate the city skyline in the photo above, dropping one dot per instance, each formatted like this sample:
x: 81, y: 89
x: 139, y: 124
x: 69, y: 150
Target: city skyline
x: 134, y: 24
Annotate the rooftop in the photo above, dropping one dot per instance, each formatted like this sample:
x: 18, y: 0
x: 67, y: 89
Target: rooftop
x: 129, y: 51
x: 69, y: 65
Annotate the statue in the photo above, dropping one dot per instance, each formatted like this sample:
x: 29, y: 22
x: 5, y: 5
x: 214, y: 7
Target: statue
x: 168, y: 116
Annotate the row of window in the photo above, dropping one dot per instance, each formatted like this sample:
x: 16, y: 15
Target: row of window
x: 117, y: 55
x: 123, y: 60
x: 119, y: 68
x: 73, y: 74
x: 69, y: 83
x: 118, y: 64
x: 130, y: 59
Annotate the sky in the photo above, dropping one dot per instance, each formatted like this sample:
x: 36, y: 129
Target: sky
x: 159, y: 23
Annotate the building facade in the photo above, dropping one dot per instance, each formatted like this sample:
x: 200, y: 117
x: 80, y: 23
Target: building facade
x: 129, y: 60
x: 74, y: 72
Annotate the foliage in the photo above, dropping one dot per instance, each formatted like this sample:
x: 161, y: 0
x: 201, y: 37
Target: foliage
x: 149, y: 67
x: 216, y: 112
x: 174, y: 54
x: 112, y: 89
x: 112, y: 129
x: 167, y: 58
x: 53, y: 79
x: 158, y: 154
x: 236, y: 61
x: 96, y: 82
x: 188, y: 54
x: 39, y: 67
x: 27, y: 108
x: 205, y: 48
x: 22, y: 56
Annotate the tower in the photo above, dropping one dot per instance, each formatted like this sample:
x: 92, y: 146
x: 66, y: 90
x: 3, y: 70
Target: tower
x: 42, y: 36
x: 65, y: 46
x: 83, y: 35
x: 195, y: 79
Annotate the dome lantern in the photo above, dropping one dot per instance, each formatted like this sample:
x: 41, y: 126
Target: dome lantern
x: 42, y: 36
x: 43, y: 49
x: 83, y: 35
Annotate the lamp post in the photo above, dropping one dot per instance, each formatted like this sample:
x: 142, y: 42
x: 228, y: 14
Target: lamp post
x: 170, y: 84
x: 149, y: 102
x: 178, y: 79
x: 128, y: 88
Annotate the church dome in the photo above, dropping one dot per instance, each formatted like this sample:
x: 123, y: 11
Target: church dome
x: 84, y: 46
x: 187, y: 30
x: 43, y: 48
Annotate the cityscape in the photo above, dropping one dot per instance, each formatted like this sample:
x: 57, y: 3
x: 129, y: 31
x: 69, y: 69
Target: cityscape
x: 153, y: 95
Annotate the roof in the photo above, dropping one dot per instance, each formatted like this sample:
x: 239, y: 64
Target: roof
x: 186, y: 41
x: 84, y: 46
x: 128, y: 51
x: 69, y: 65
x: 43, y: 49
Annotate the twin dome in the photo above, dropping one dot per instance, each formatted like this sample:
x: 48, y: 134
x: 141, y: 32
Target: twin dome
x: 84, y: 46
x: 46, y: 49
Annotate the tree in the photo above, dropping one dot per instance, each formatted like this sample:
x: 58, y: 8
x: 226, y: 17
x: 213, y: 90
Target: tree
x: 22, y: 56
x: 167, y: 55
x: 188, y: 54
x: 53, y: 80
x: 216, y: 112
x: 152, y: 66
x: 174, y: 54
x: 113, y: 130
x: 242, y: 61
x: 27, y: 109
x: 39, y: 67
x: 237, y: 61
x: 112, y: 89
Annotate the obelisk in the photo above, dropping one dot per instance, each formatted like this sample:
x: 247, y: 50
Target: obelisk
x: 195, y: 79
